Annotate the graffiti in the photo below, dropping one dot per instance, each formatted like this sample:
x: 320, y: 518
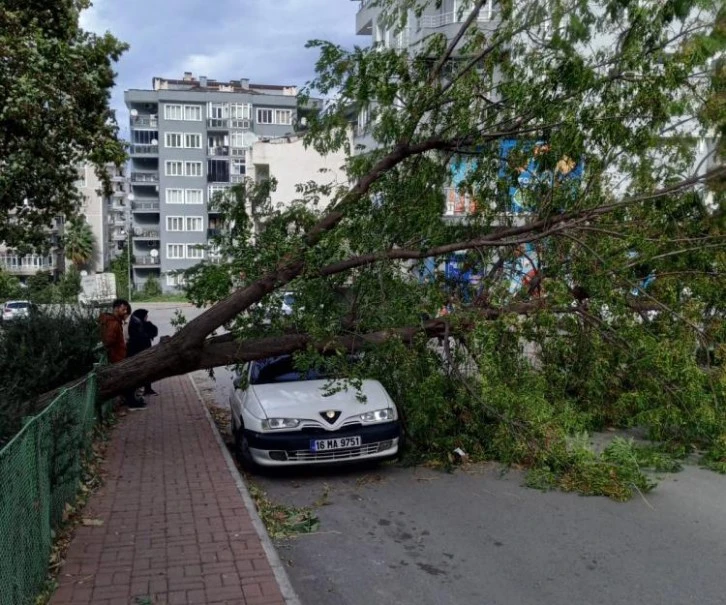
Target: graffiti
x: 531, y: 177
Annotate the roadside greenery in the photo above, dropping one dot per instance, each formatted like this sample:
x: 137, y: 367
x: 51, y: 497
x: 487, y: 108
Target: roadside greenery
x: 54, y: 102
x: 30, y: 367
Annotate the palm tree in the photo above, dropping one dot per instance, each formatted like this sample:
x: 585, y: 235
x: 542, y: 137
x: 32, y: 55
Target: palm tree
x: 79, y: 242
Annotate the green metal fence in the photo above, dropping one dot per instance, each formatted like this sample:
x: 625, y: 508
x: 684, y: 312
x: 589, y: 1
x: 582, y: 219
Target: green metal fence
x: 40, y: 470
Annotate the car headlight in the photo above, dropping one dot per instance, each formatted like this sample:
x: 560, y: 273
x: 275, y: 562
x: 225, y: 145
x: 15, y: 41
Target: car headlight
x: 277, y: 424
x: 378, y: 415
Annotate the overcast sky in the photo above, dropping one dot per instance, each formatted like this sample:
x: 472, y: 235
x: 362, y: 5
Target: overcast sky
x: 263, y: 40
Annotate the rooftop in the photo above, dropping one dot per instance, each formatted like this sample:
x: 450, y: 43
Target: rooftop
x: 202, y: 83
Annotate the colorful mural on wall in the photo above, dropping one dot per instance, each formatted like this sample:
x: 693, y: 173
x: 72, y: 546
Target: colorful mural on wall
x: 567, y: 172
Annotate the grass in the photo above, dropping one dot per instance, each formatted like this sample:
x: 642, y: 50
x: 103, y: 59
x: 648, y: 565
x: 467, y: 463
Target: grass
x: 170, y: 298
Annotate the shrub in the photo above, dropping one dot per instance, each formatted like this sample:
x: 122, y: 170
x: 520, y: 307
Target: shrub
x: 152, y: 288
x: 30, y: 365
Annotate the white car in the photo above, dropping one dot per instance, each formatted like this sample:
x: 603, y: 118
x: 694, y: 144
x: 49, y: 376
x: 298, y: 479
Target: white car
x: 14, y: 309
x: 283, y: 418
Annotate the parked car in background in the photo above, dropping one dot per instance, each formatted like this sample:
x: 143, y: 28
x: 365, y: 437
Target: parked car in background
x: 283, y: 417
x: 15, y: 309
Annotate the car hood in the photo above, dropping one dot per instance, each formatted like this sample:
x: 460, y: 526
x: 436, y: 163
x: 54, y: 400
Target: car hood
x: 306, y: 399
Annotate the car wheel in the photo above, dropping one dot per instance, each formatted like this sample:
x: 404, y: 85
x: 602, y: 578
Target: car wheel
x: 242, y: 452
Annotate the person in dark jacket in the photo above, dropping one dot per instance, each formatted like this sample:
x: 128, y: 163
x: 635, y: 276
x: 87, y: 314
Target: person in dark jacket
x: 112, y: 336
x: 141, y: 334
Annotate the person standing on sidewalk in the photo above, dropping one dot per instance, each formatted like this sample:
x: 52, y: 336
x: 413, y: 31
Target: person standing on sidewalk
x: 141, y: 334
x: 112, y: 337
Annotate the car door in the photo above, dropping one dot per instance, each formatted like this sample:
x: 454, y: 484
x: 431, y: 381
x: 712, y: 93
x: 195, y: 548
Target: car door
x: 240, y: 393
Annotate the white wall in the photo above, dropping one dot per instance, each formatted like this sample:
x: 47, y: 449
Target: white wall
x: 93, y: 209
x: 290, y: 163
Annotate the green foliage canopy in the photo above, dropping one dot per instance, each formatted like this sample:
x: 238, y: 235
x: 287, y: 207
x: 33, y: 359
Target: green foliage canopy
x: 55, y: 84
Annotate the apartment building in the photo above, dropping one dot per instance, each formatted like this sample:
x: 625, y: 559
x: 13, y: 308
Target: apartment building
x: 190, y: 139
x: 108, y: 216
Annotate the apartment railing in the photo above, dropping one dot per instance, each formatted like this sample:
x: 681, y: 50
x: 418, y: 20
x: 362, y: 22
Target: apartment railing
x: 433, y: 21
x: 144, y: 177
x: 145, y: 121
x: 146, y: 234
x: 146, y: 259
x: 219, y: 150
x: 237, y: 178
x: 26, y: 266
x: 217, y: 123
x: 145, y: 206
x: 137, y: 149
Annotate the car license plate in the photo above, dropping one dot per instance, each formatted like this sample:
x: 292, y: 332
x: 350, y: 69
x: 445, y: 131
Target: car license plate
x: 339, y: 443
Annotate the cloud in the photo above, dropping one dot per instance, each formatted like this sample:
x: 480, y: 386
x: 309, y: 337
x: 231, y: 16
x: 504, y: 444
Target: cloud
x: 221, y: 39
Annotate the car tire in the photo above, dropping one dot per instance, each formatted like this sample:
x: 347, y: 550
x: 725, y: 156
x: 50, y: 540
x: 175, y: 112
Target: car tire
x: 242, y: 453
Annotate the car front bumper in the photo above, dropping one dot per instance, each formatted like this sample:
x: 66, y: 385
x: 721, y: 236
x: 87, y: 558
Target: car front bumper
x: 378, y: 442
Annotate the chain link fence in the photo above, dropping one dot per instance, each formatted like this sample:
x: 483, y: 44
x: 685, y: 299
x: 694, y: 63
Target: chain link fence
x: 40, y: 471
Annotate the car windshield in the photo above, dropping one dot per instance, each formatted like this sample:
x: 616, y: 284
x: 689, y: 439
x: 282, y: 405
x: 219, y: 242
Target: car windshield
x: 280, y: 369
x: 17, y: 305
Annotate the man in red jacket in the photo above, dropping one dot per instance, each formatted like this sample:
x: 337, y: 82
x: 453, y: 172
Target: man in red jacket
x: 112, y: 336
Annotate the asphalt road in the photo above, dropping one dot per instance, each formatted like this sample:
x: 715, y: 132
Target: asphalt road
x: 418, y: 536
x: 393, y: 535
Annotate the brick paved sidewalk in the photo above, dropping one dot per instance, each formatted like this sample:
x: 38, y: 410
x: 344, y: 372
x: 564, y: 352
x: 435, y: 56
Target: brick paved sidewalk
x: 175, y: 527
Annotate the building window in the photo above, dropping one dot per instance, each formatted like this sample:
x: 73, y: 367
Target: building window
x: 264, y: 116
x: 193, y: 168
x: 173, y: 112
x: 218, y: 171
x: 194, y: 196
x: 283, y: 117
x: 176, y: 280
x: 193, y: 141
x: 195, y: 223
x: 175, y: 223
x: 241, y: 111
x: 237, y: 139
x: 193, y: 113
x: 217, y: 191
x: 174, y: 168
x: 172, y: 140
x: 175, y: 251
x: 175, y: 196
x: 195, y: 251
x: 218, y: 111
x: 238, y: 167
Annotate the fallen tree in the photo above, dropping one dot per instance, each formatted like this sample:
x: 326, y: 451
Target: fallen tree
x: 577, y: 151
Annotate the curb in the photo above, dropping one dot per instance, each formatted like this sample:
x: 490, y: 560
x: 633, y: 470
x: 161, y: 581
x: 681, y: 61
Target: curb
x: 283, y: 581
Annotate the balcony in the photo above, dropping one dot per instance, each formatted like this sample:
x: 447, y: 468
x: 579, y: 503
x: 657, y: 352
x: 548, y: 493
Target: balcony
x: 213, y: 232
x: 217, y: 124
x: 27, y: 265
x: 145, y: 177
x: 145, y: 260
x: 237, y: 178
x: 364, y: 18
x: 144, y: 149
x: 144, y: 122
x: 220, y: 150
x: 119, y: 236
x: 151, y: 234
x: 118, y: 206
x: 486, y: 14
x: 145, y: 206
